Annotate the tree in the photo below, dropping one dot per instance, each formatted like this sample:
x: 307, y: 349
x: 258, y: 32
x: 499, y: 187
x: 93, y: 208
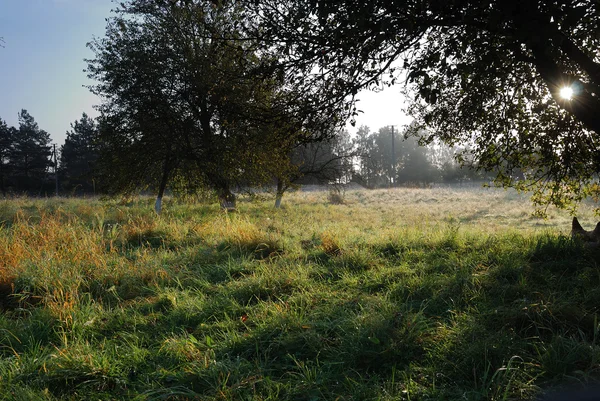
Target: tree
x: 186, y: 95
x: 316, y: 161
x: 364, y: 145
x: 6, y: 135
x: 414, y: 161
x: 484, y: 73
x: 376, y: 165
x: 343, y: 147
x: 29, y: 156
x: 79, y: 154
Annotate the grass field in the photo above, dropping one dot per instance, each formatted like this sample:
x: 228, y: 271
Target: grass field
x: 407, y: 294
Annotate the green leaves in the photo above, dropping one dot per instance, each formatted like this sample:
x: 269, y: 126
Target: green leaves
x: 482, y: 72
x: 25, y: 156
x: 189, y: 94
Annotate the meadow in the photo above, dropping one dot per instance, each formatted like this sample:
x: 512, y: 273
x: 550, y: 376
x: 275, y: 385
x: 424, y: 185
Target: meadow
x: 401, y: 294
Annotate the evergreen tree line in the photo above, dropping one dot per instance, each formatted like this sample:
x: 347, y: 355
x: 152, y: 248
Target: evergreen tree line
x: 27, y: 159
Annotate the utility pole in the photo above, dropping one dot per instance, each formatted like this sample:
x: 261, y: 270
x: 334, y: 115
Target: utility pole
x: 55, y: 170
x: 393, y: 160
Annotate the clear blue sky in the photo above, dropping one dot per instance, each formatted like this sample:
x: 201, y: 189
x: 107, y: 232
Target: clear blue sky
x: 42, y: 63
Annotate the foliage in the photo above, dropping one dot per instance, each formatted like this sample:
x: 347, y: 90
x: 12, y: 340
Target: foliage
x: 323, y: 162
x: 29, y: 156
x: 407, y: 293
x: 187, y: 95
x: 380, y: 162
x: 6, y: 135
x: 327, y: 161
x: 485, y: 75
x: 406, y: 161
x: 78, y: 156
x: 24, y: 157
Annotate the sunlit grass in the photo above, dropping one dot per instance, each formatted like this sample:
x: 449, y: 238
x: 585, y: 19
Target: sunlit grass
x: 390, y: 294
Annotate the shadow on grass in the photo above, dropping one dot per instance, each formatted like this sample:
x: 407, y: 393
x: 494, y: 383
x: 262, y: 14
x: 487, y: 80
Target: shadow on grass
x: 451, y: 319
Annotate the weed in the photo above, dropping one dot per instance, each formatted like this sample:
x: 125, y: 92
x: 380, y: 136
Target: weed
x: 330, y: 245
x: 336, y: 196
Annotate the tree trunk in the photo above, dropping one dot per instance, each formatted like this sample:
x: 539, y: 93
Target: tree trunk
x: 226, y: 198
x: 279, y: 194
x: 162, y: 187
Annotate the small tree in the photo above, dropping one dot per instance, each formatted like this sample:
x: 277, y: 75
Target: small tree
x: 364, y: 144
x: 316, y: 161
x: 415, y: 163
x: 376, y: 165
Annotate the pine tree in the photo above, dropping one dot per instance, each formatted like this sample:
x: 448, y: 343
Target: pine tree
x: 6, y: 134
x: 29, y: 156
x: 78, y: 155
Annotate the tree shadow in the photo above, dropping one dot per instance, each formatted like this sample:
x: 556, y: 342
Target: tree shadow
x: 448, y: 319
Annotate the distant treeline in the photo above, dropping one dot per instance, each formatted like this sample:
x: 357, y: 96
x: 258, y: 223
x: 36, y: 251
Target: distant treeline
x: 30, y: 166
x: 25, y: 157
x: 369, y: 158
x: 389, y: 157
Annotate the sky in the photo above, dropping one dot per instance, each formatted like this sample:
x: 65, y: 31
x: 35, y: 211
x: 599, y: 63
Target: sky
x: 42, y: 66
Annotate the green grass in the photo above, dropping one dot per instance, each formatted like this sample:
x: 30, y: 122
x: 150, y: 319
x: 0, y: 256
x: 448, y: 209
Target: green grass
x: 403, y: 294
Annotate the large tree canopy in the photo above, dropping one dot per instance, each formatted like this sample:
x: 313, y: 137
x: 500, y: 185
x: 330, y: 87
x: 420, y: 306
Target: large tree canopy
x: 186, y: 94
x: 486, y: 73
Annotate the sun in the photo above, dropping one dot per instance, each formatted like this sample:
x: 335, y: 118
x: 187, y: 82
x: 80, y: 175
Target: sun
x: 566, y: 93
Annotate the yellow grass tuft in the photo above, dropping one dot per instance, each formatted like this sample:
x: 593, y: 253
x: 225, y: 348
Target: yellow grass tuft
x: 330, y: 244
